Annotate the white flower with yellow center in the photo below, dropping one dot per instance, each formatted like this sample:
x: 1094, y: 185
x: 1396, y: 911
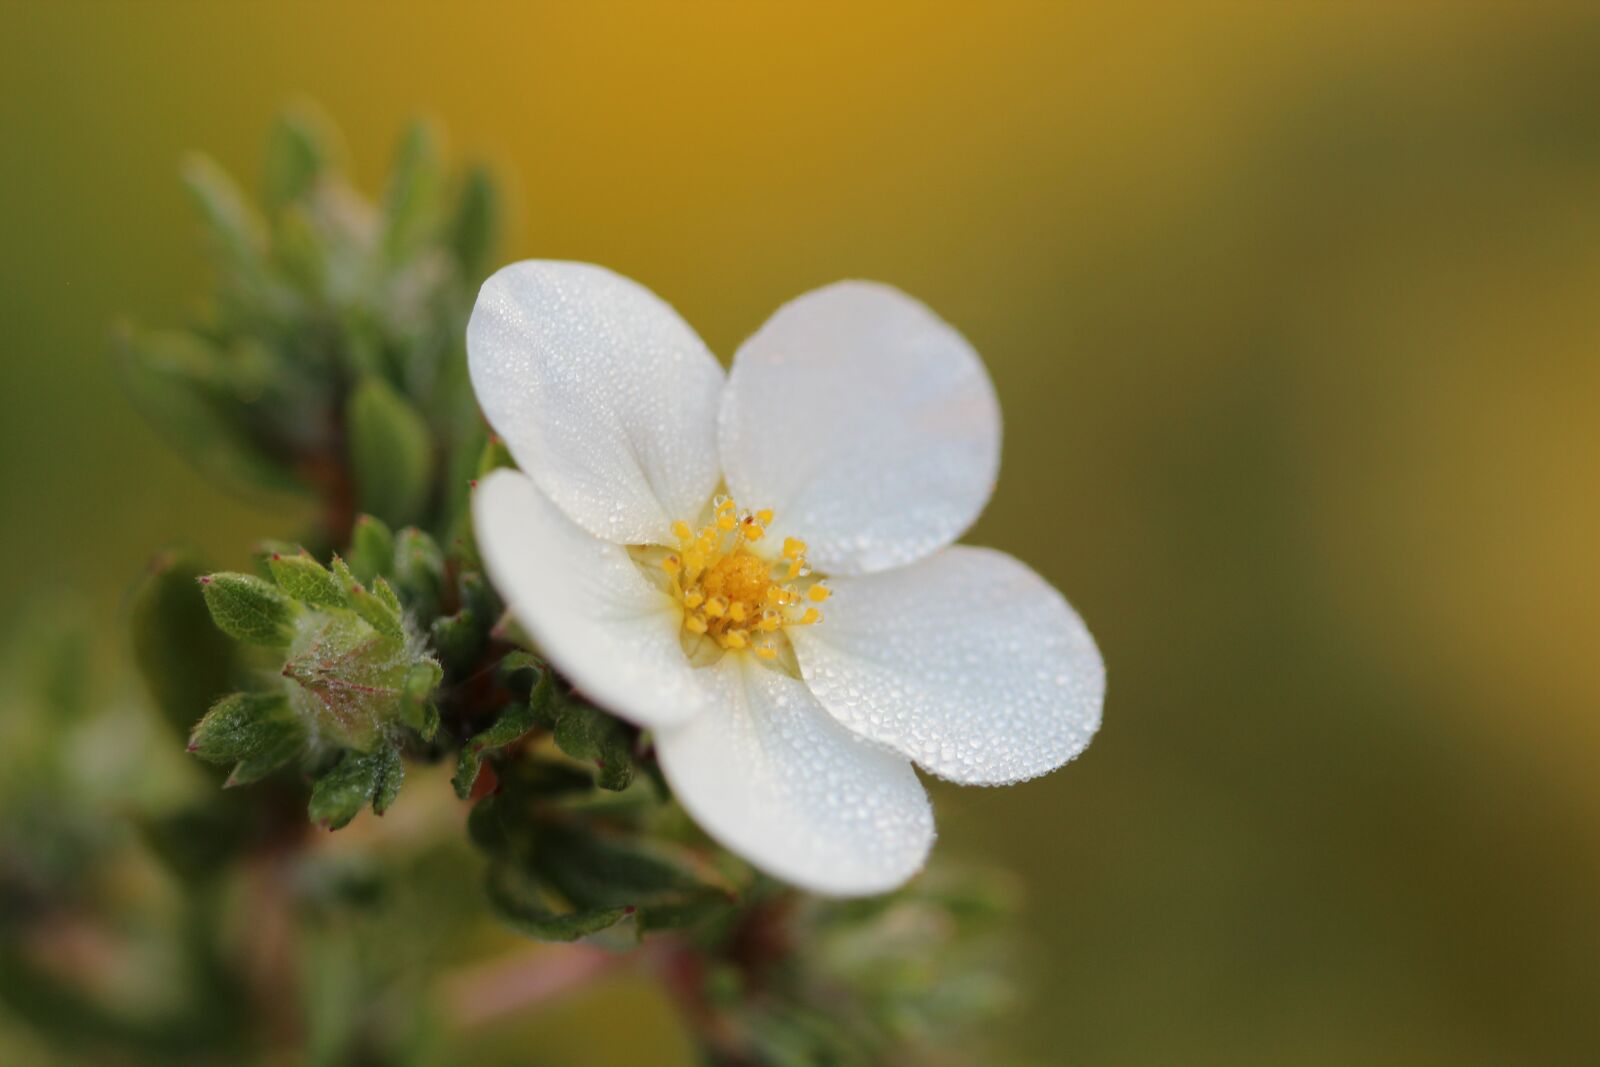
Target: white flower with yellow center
x: 759, y: 567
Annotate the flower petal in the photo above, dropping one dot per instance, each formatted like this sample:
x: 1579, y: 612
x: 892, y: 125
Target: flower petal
x: 968, y: 662
x: 867, y: 424
x: 602, y: 624
x: 772, y: 777
x: 604, y: 395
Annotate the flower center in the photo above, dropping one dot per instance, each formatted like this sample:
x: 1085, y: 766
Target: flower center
x: 734, y: 595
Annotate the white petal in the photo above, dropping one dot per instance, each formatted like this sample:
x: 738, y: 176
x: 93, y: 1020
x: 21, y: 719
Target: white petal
x: 867, y: 424
x: 968, y: 662
x: 773, y: 778
x: 583, y: 600
x: 604, y: 395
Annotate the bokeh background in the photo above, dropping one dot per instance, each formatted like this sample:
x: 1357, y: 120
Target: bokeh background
x: 1291, y: 313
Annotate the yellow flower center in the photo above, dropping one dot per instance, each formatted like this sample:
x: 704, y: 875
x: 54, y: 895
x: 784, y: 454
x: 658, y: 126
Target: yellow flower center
x: 735, y: 596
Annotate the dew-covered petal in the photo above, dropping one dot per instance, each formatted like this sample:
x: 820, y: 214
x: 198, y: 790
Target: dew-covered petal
x: 867, y: 424
x: 604, y: 395
x: 583, y: 601
x: 968, y: 662
x: 772, y: 777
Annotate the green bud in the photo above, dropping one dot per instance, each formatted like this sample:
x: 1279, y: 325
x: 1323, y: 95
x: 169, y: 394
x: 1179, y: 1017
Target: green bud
x: 391, y: 452
x: 306, y: 580
x: 258, y: 732
x: 250, y: 610
x: 349, y: 678
x: 458, y: 638
x: 476, y: 221
x: 371, y: 548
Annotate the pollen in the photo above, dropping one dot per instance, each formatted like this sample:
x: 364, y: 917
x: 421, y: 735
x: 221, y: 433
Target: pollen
x: 734, y: 590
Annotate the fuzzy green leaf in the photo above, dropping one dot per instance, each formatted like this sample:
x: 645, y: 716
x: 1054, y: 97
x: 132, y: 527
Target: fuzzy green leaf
x: 416, y: 704
x: 307, y: 580
x: 258, y: 732
x: 593, y: 871
x: 378, y: 606
x: 391, y: 773
x: 248, y: 609
x: 517, y: 904
x: 391, y: 452
x: 587, y: 733
x: 358, y: 779
x: 513, y: 722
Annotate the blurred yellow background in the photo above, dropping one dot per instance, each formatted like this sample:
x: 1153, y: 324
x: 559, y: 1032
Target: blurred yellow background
x: 1290, y: 309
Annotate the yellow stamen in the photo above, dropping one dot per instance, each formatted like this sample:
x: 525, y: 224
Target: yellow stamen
x: 740, y: 599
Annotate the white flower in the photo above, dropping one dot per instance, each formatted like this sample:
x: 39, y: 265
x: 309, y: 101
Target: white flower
x: 787, y: 709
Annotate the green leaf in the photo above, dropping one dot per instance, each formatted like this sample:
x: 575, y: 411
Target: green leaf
x: 371, y: 548
x: 175, y: 380
x: 587, y: 733
x: 235, y: 228
x: 418, y: 571
x: 391, y: 773
x: 411, y: 198
x: 593, y: 871
x: 248, y: 609
x: 514, y: 721
x: 476, y: 224
x: 183, y: 659
x: 494, y: 456
x: 700, y: 907
x: 391, y: 452
x: 416, y: 704
x: 517, y: 904
x: 299, y: 150
x: 358, y: 779
x: 307, y: 580
x: 378, y: 606
x: 257, y: 731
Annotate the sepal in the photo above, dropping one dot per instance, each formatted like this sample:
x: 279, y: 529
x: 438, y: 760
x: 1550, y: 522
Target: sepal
x: 256, y: 732
x: 250, y: 610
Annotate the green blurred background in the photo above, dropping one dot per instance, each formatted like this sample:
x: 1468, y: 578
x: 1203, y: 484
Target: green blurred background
x: 1291, y: 313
